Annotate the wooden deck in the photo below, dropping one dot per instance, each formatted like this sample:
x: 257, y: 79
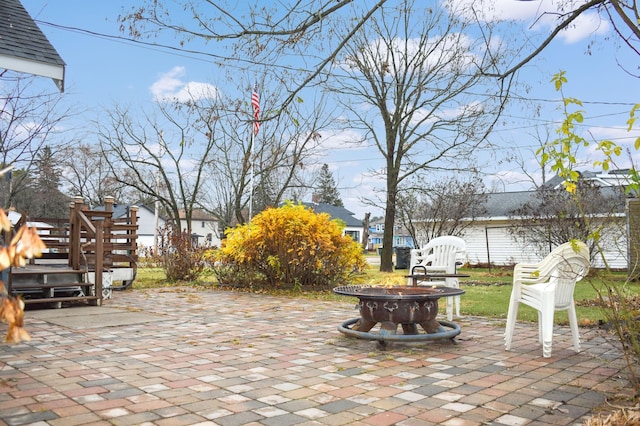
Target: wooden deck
x: 87, y: 256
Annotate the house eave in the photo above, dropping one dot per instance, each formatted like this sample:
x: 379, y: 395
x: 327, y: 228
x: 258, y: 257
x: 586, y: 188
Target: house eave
x: 507, y: 218
x: 24, y: 48
x: 42, y: 69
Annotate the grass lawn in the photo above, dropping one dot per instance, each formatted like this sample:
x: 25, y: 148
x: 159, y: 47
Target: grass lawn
x: 486, y: 291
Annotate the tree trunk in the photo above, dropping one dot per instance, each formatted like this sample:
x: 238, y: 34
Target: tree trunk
x: 365, y: 231
x: 386, y: 258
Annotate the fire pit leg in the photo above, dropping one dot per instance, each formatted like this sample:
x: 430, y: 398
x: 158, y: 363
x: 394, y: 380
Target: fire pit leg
x: 387, y: 328
x: 445, y: 330
x: 383, y: 345
x: 411, y: 328
x: 363, y: 325
x: 432, y: 326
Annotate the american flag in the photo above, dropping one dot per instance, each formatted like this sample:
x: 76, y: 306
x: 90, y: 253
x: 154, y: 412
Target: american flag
x: 255, y: 102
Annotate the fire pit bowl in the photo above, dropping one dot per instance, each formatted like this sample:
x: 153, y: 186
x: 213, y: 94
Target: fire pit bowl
x: 393, y: 306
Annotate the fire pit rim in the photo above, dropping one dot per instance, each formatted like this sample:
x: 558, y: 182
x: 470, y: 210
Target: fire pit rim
x: 398, y: 292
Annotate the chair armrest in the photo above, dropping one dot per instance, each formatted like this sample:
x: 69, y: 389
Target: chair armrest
x: 529, y: 273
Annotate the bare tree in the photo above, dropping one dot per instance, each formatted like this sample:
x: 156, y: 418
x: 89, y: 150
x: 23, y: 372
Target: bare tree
x: 555, y: 216
x: 417, y: 70
x: 624, y: 17
x: 86, y: 174
x: 265, y: 169
x: 29, y: 119
x: 444, y: 207
x: 162, y: 156
x: 278, y: 34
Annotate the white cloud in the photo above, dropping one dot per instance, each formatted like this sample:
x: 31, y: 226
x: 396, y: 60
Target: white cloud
x: 171, y: 87
x: 364, y: 185
x: 540, y: 15
x: 341, y: 139
x: 512, y: 180
x: 584, y: 26
x: 502, y: 10
x: 618, y: 135
x: 450, y: 114
x: 448, y: 53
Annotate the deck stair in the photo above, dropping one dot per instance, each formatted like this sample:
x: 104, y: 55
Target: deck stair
x: 53, y: 284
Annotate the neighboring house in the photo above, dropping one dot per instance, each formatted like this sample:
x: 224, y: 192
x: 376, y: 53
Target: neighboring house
x: 146, y: 223
x: 401, y: 237
x: 490, y: 239
x: 14, y: 217
x: 205, y: 228
x: 353, y: 227
x: 616, y: 178
x: 376, y: 231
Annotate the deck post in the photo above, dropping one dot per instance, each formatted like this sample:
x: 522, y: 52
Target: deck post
x: 108, y: 221
x: 75, y: 234
x: 99, y: 260
x: 133, y: 220
x: 68, y: 234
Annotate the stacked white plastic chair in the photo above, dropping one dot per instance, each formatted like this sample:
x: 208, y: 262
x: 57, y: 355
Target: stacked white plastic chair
x: 548, y: 287
x: 439, y: 256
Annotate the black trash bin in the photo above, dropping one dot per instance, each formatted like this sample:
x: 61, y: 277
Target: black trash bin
x: 403, y: 257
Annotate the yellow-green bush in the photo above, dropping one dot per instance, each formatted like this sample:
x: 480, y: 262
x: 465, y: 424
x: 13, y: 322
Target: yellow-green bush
x: 290, y: 245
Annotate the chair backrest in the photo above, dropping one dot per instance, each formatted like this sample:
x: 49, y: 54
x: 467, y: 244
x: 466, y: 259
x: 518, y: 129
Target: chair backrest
x: 440, y: 252
x: 572, y: 266
x: 563, y: 267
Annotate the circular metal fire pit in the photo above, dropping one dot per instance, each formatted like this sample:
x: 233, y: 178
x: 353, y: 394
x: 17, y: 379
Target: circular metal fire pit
x: 393, y: 306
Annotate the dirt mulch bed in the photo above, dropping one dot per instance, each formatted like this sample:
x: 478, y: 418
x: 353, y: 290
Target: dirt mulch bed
x: 626, y: 416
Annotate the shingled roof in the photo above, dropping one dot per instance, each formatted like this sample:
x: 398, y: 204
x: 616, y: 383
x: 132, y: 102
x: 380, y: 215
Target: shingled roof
x: 24, y: 47
x: 503, y: 205
x: 336, y: 213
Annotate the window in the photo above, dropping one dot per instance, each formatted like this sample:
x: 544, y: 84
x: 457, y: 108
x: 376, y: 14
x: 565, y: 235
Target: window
x: 355, y: 235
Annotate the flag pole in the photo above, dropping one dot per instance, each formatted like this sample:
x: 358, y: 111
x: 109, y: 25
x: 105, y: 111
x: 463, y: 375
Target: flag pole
x: 253, y: 135
x: 255, y: 126
x: 156, y: 212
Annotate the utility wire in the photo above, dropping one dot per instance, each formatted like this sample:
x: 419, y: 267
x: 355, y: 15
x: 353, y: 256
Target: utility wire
x: 224, y: 60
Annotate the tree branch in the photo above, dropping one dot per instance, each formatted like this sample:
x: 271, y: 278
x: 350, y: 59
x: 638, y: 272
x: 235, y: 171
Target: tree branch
x: 572, y: 17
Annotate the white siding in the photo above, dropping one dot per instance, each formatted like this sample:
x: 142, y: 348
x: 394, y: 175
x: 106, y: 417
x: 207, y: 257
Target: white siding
x: 491, y: 241
x: 146, y: 232
x: 203, y: 228
x: 614, y: 245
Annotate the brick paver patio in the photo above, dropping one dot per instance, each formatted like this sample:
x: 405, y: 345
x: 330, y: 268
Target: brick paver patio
x: 225, y: 358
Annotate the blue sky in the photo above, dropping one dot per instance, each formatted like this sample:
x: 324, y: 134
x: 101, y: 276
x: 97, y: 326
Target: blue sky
x: 101, y: 72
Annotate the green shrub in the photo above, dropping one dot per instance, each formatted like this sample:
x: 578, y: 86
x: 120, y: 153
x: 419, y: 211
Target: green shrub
x: 288, y: 246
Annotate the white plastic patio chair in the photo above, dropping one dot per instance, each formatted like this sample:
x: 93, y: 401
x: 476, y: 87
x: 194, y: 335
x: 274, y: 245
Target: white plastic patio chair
x: 548, y: 287
x: 439, y: 255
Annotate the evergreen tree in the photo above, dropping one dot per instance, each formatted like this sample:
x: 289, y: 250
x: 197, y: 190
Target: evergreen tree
x: 41, y: 196
x: 326, y: 190
x: 47, y: 174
